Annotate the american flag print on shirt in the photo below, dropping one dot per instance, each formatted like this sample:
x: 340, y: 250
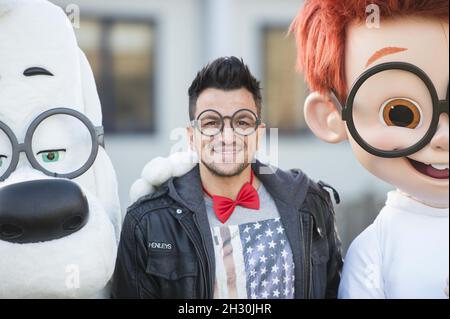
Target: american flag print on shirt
x: 253, y: 261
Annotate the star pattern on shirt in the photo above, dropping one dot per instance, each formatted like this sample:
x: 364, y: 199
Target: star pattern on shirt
x: 268, y: 256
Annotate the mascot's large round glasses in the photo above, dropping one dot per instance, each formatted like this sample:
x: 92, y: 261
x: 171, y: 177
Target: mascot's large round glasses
x: 393, y: 110
x: 60, y: 143
x: 211, y: 123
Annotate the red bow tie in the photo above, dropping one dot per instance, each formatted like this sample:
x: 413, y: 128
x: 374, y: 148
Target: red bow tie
x: 248, y: 197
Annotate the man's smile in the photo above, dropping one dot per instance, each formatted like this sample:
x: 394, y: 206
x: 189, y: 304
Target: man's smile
x: 227, y: 150
x: 437, y: 171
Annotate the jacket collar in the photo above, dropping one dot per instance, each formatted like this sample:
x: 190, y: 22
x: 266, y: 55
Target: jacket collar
x: 287, y: 187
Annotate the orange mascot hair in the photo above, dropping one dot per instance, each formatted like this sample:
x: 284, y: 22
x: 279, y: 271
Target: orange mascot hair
x: 320, y: 29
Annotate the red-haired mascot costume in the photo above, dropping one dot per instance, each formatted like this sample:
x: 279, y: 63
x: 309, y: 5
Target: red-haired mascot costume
x: 379, y: 72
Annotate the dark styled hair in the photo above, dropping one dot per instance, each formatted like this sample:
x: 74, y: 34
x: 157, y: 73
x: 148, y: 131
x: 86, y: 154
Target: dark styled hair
x: 226, y: 73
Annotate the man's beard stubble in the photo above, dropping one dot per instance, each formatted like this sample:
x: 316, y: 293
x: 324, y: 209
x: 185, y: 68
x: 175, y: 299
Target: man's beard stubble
x: 220, y: 173
x: 242, y: 164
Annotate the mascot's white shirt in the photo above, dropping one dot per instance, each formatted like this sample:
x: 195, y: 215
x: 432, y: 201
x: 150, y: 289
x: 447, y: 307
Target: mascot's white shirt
x: 403, y: 254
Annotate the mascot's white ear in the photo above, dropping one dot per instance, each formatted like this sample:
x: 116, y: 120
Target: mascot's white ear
x: 92, y: 106
x: 160, y: 170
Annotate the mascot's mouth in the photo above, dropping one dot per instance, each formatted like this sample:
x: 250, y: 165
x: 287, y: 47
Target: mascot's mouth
x: 436, y: 171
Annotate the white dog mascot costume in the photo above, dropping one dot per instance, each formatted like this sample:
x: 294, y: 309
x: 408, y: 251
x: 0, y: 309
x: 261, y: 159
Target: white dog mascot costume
x: 59, y: 208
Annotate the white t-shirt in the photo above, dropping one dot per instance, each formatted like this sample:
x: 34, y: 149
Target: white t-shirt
x: 253, y: 255
x: 403, y: 254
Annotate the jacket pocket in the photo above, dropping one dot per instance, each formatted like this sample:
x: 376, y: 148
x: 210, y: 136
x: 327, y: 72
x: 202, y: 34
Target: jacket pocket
x: 176, y: 274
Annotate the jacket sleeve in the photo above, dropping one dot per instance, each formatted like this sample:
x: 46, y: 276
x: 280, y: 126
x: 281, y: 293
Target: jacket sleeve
x: 130, y: 280
x: 335, y: 263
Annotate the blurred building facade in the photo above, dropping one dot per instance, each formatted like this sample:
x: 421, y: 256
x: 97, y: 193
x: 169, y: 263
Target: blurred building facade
x: 145, y: 53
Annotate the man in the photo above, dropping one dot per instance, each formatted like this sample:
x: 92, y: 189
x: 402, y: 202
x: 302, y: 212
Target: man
x: 228, y: 228
x: 385, y: 89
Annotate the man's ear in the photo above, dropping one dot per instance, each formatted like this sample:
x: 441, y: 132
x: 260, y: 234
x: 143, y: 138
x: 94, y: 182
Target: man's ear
x: 324, y: 118
x: 190, y: 136
x: 261, y: 132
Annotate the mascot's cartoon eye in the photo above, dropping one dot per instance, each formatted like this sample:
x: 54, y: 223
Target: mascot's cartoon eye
x: 2, y: 157
x: 401, y: 112
x: 52, y: 156
x: 37, y: 71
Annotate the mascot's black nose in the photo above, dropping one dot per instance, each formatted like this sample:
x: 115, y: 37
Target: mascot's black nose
x: 42, y: 210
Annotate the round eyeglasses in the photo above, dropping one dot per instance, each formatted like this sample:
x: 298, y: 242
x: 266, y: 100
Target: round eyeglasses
x: 211, y: 123
x: 60, y: 143
x: 393, y: 110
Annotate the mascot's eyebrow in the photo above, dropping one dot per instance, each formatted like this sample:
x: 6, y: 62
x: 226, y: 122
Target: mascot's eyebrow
x: 37, y: 71
x: 383, y: 52
x: 49, y: 151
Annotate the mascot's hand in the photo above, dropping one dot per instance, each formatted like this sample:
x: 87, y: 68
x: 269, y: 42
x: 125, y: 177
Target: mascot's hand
x: 160, y: 170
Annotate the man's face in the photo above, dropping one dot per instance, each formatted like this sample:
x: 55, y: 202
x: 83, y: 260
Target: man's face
x: 423, y: 43
x: 228, y: 153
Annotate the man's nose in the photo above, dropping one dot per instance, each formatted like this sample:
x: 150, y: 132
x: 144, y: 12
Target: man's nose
x: 228, y: 135
x: 41, y: 210
x: 440, y: 140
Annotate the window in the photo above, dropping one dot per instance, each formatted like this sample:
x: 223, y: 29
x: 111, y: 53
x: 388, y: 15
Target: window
x: 122, y: 57
x: 284, y: 89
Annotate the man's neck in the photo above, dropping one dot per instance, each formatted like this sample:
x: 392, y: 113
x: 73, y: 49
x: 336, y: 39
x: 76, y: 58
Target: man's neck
x: 225, y: 186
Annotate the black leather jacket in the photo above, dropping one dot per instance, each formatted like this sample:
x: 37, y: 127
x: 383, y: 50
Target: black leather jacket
x: 166, y: 249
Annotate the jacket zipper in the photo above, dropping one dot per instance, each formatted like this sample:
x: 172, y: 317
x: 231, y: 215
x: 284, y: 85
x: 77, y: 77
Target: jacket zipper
x: 202, y: 262
x: 311, y: 226
x: 307, y: 246
x: 209, y: 283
